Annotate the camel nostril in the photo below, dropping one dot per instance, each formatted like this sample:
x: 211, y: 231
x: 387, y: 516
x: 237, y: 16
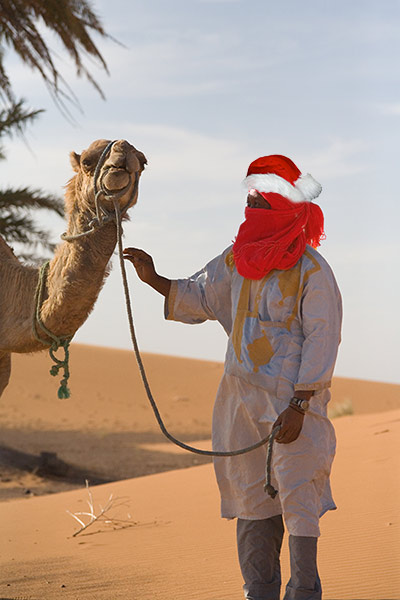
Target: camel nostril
x: 117, y: 160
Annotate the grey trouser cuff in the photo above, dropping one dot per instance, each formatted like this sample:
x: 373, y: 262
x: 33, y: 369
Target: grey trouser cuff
x: 262, y: 591
x: 304, y: 581
x: 259, y: 544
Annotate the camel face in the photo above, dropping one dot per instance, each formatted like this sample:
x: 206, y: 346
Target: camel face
x: 118, y: 174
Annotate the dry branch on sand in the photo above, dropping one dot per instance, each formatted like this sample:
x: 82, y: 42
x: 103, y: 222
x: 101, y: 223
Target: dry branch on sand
x: 103, y: 514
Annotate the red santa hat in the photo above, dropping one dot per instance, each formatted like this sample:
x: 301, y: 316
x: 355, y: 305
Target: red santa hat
x: 278, y: 174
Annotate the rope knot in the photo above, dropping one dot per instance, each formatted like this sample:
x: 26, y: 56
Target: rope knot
x: 63, y: 391
x: 268, y: 487
x: 272, y: 492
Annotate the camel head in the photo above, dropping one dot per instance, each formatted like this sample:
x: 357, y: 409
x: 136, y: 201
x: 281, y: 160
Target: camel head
x: 118, y: 175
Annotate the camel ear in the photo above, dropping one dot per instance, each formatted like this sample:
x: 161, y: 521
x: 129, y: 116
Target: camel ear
x: 75, y: 160
x: 141, y: 158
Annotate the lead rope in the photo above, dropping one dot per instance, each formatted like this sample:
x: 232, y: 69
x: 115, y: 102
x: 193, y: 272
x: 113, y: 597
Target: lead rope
x: 267, y: 440
x: 102, y: 216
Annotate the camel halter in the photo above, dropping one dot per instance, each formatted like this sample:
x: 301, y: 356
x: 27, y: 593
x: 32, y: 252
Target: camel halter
x: 102, y: 217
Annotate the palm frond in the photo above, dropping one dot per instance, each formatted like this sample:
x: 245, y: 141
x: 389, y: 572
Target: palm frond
x: 18, y: 226
x: 17, y: 205
x: 22, y: 199
x: 16, y: 117
x: 73, y: 22
x: 22, y: 229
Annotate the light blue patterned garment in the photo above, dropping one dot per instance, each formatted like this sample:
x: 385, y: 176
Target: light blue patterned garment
x: 283, y: 335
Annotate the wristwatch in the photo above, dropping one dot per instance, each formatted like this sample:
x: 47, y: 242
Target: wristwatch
x: 303, y: 404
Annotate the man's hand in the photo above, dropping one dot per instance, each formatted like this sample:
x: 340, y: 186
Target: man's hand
x: 291, y: 422
x: 146, y: 271
x: 142, y: 262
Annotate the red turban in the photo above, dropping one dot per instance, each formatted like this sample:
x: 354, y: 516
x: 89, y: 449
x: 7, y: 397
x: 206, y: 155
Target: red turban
x: 276, y: 238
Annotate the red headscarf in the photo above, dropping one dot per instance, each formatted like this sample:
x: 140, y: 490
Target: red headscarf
x: 276, y: 238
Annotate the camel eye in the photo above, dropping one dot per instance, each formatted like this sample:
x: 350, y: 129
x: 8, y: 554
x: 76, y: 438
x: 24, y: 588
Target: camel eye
x: 87, y: 163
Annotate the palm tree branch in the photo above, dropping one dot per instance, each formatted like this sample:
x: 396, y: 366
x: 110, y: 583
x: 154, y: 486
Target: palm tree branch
x: 70, y: 20
x: 16, y: 117
x: 20, y: 199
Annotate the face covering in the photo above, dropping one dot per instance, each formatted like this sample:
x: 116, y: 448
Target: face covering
x: 276, y: 238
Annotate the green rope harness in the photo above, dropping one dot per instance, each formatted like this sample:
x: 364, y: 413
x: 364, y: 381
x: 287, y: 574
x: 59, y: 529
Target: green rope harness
x: 58, y: 341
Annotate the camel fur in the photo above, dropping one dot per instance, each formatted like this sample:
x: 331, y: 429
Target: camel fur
x: 78, y: 269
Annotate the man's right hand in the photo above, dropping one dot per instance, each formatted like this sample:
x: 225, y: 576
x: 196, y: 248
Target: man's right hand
x: 146, y: 271
x: 142, y: 262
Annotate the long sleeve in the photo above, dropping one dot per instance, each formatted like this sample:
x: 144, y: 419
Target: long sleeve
x: 206, y: 295
x: 321, y: 317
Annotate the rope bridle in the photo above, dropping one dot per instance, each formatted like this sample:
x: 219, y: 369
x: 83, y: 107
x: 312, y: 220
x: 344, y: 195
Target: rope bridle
x: 102, y: 217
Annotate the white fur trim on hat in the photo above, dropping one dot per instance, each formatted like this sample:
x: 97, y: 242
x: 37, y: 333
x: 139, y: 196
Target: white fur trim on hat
x: 308, y: 186
x: 305, y: 189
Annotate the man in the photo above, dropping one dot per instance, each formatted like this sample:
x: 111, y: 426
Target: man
x: 278, y: 301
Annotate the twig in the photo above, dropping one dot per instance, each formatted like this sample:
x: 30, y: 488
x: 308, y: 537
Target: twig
x: 93, y: 518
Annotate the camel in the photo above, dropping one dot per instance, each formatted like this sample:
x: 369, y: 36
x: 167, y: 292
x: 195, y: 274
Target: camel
x: 79, y: 267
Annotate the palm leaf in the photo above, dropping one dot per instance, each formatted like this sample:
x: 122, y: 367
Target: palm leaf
x: 72, y: 21
x: 25, y: 198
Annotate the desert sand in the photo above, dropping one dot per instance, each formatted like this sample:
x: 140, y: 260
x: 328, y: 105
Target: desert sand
x: 163, y: 538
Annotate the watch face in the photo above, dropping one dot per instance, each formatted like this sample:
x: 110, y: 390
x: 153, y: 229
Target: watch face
x: 303, y: 404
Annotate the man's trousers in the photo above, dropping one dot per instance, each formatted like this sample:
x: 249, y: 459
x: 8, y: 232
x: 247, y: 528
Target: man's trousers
x: 259, y: 544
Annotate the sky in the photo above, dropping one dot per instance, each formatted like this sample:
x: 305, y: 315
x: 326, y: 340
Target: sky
x: 203, y: 87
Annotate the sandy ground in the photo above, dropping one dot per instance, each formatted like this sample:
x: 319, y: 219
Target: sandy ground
x: 164, y: 538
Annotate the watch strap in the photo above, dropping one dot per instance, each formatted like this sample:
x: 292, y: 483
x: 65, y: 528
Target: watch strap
x: 300, y: 403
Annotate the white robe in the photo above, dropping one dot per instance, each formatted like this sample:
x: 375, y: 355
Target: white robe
x: 284, y: 332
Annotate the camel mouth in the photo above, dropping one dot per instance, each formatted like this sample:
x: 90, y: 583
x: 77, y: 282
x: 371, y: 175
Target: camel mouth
x: 116, y: 179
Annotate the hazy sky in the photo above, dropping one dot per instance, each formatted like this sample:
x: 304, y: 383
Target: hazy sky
x: 203, y: 87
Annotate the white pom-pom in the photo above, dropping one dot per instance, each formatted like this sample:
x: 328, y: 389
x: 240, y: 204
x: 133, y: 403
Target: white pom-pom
x: 308, y: 186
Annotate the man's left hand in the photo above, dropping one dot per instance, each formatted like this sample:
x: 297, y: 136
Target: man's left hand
x: 291, y: 422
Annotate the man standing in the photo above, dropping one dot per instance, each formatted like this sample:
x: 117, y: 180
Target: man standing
x: 278, y: 301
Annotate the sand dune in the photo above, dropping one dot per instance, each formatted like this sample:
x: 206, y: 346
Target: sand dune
x: 170, y: 541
